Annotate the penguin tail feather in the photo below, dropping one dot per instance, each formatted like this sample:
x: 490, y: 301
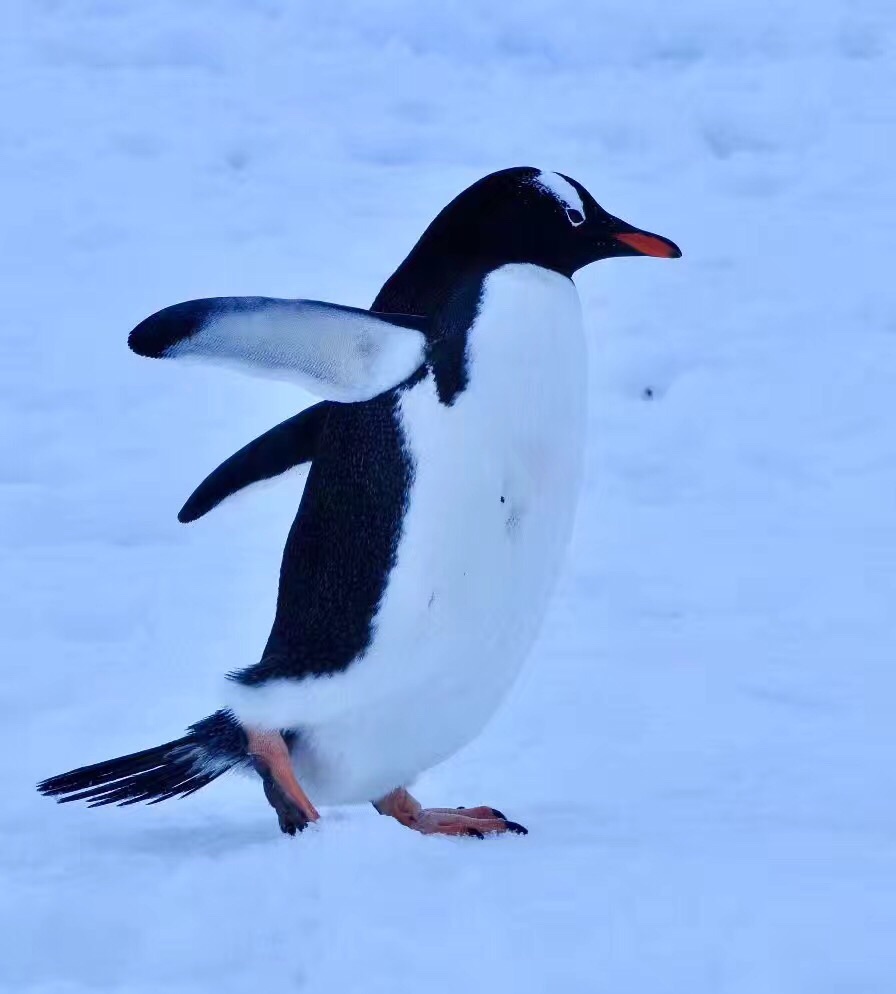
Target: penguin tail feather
x: 175, y: 769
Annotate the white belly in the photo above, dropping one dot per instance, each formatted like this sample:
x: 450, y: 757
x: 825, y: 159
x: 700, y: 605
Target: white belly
x: 497, y: 478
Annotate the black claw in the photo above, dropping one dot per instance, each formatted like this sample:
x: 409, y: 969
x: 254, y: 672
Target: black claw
x: 474, y: 833
x: 499, y: 814
x: 290, y: 817
x: 515, y: 826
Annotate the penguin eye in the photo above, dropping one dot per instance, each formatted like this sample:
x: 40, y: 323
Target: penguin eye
x: 574, y: 217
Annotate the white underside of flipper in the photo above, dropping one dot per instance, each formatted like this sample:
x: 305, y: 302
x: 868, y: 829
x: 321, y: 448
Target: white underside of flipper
x: 335, y: 352
x: 490, y: 513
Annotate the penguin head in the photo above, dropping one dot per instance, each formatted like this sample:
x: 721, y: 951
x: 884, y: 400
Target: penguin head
x: 527, y: 215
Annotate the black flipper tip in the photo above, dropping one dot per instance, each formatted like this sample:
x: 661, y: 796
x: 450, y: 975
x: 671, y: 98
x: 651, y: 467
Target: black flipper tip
x: 157, y: 334
x: 190, y: 513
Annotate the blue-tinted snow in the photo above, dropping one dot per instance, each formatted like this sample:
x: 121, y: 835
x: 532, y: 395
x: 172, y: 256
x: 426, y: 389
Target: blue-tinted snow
x: 703, y: 744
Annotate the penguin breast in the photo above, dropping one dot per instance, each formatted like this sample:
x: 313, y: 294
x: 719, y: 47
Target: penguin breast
x: 495, y: 484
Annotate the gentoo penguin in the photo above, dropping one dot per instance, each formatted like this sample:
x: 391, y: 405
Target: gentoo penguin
x: 445, y: 470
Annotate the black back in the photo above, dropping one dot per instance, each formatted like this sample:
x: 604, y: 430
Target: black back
x: 343, y: 542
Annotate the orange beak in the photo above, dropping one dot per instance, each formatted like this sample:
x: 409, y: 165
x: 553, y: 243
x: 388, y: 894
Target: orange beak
x: 647, y: 244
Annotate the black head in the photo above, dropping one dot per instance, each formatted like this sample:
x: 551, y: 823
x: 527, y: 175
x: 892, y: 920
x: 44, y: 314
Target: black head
x: 526, y: 215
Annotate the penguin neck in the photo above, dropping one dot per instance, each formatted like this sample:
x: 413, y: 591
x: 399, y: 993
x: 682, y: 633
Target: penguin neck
x: 447, y: 289
x: 427, y: 280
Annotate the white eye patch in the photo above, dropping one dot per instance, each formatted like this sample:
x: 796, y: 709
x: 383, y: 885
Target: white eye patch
x: 561, y: 189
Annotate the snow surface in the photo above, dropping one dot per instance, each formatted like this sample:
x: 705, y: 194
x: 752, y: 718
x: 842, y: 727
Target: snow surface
x: 703, y: 743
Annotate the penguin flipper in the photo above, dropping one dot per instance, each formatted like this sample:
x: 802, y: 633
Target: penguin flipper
x: 289, y: 444
x: 337, y: 353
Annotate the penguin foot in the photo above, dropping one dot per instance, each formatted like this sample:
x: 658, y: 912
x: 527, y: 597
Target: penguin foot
x: 291, y: 817
x: 475, y: 822
x: 271, y: 760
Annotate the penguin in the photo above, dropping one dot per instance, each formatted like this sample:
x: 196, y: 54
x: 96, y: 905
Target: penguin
x: 445, y: 468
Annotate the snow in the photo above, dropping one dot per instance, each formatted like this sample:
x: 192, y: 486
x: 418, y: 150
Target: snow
x: 702, y: 743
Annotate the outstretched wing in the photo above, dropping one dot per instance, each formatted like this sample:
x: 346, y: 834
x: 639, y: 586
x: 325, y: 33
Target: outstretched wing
x: 289, y: 444
x: 337, y: 353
